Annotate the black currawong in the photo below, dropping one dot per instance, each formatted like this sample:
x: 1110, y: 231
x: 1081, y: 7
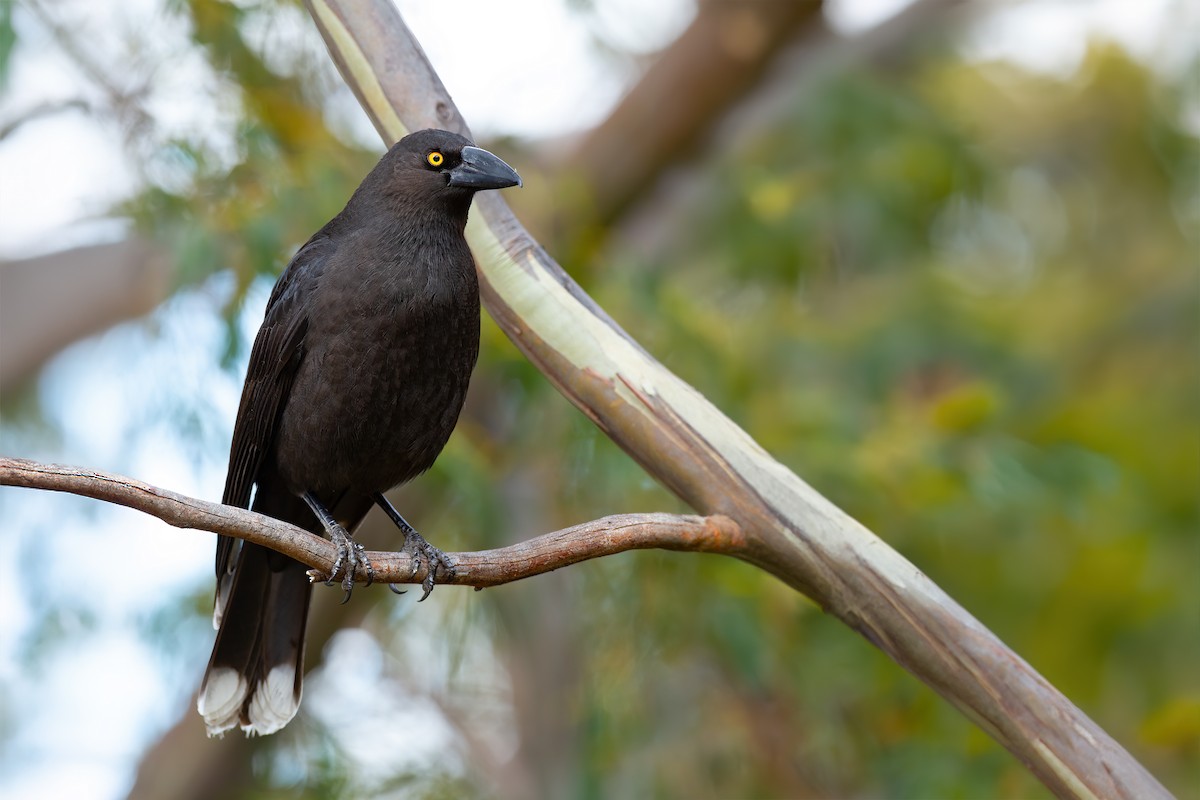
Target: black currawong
x: 356, y: 380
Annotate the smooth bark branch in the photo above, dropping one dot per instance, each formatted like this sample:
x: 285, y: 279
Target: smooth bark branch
x: 697, y: 452
x: 723, y: 53
x: 601, y: 537
x: 49, y: 301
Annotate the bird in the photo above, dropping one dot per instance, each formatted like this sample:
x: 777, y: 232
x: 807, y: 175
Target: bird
x: 356, y: 379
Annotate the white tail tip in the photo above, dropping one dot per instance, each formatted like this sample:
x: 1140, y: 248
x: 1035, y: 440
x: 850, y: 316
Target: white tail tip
x: 275, y: 701
x: 221, y: 699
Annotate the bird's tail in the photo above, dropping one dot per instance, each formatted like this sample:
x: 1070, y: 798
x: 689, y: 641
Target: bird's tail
x: 256, y: 671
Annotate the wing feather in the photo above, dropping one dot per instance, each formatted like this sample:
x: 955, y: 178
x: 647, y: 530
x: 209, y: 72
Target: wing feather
x: 277, y: 353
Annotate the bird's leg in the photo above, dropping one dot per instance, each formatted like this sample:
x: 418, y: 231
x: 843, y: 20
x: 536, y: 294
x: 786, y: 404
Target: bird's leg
x: 415, y: 544
x: 350, y: 552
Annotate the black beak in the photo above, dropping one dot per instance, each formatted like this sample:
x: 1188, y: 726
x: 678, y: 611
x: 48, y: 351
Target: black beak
x: 482, y: 170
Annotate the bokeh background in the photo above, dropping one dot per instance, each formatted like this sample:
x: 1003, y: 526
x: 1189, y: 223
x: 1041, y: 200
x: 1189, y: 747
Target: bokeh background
x: 939, y: 258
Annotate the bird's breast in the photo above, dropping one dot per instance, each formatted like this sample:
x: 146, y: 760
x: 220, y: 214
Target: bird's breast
x: 382, y: 380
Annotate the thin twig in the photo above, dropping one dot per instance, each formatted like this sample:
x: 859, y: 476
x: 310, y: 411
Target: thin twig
x: 601, y: 537
x: 39, y: 111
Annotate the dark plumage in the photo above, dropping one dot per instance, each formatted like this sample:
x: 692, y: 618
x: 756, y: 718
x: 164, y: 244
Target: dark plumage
x: 355, y: 382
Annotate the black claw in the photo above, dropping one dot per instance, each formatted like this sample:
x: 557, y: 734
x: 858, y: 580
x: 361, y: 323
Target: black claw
x: 353, y: 556
x: 337, y: 565
x: 351, y: 569
x: 396, y: 590
x: 435, y: 560
x: 366, y: 564
x: 430, y: 578
x: 349, y: 552
x: 415, y: 544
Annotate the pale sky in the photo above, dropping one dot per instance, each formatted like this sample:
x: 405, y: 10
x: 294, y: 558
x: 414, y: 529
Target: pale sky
x: 79, y: 168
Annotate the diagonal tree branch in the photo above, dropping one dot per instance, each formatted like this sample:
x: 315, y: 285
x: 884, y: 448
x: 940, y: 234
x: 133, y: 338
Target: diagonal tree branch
x: 601, y: 537
x: 697, y: 452
x: 724, y: 51
x: 89, y: 288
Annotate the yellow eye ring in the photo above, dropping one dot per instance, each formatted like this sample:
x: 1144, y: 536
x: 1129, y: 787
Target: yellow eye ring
x: 435, y: 159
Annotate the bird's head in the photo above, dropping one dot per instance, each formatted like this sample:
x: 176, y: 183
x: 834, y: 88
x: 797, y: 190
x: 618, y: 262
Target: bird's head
x: 434, y: 166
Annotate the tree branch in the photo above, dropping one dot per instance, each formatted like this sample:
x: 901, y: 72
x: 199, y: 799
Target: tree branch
x: 724, y: 51
x: 697, y: 452
x: 546, y: 553
x: 46, y: 109
x: 53, y: 300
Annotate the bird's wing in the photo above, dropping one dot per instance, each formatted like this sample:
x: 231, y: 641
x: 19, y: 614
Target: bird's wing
x: 276, y: 354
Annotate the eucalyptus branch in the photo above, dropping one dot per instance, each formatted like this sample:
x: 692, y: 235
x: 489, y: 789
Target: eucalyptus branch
x: 551, y: 551
x: 693, y: 449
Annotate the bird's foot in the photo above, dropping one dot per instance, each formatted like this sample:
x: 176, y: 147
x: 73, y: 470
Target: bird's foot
x: 436, y: 561
x: 353, y: 555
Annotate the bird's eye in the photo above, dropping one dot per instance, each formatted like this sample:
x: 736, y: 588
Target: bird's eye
x: 435, y: 159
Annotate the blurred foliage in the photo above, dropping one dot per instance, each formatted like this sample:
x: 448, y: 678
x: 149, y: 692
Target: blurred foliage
x: 960, y: 301
x: 8, y: 38
x: 963, y: 304
x: 289, y: 173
